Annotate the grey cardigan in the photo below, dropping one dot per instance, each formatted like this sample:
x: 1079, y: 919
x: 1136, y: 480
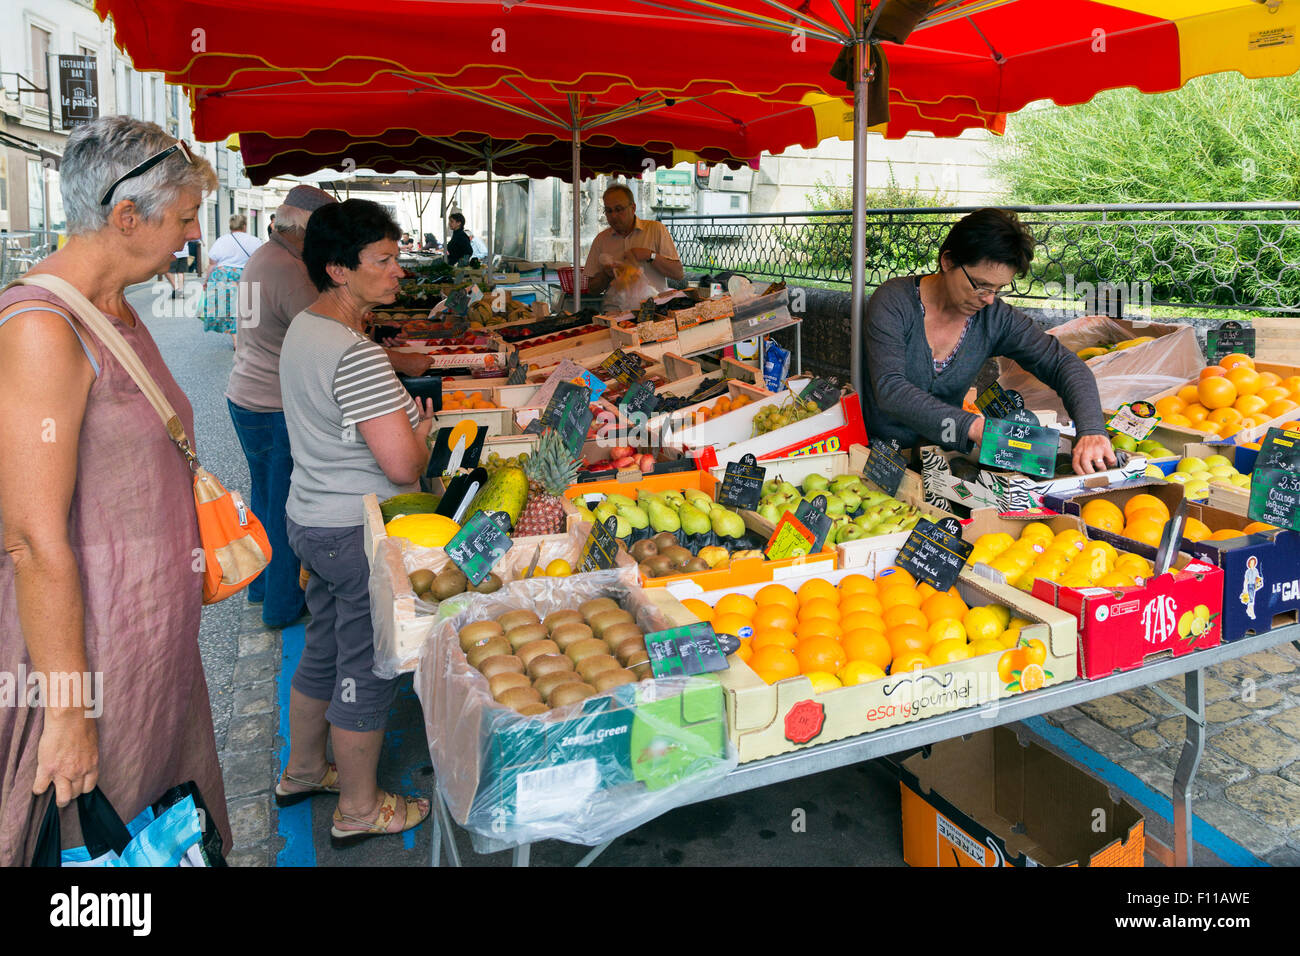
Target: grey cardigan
x: 907, y: 401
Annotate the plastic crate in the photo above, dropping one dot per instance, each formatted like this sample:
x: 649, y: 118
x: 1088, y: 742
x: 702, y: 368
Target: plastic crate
x: 566, y: 279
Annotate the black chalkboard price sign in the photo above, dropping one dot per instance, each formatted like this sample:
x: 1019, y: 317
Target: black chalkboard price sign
x: 935, y: 553
x: 1017, y: 446
x: 569, y: 413
x: 621, y: 367
x: 600, y: 551
x: 812, y: 515
x: 825, y: 394
x: 479, y: 544
x: 689, y: 650
x: 885, y: 467
x: 640, y: 401
x: 742, y: 485
x: 1228, y: 338
x: 998, y: 402
x: 1275, y: 482
x: 518, y: 375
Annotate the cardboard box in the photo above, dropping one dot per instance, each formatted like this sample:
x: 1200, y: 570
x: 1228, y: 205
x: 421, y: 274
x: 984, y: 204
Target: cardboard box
x: 786, y: 716
x: 761, y: 314
x: 1004, y: 490
x: 714, y: 309
x: 575, y: 347
x: 477, y: 360
x: 752, y: 374
x: 987, y: 800
x: 1246, y: 434
x: 1226, y: 497
x: 498, y: 421
x: 664, y: 428
x: 773, y: 445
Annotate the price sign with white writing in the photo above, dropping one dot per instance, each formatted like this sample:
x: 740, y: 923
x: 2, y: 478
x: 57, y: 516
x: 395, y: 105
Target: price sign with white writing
x: 935, y: 553
x: 885, y: 466
x: 825, y: 394
x: 812, y: 515
x: 742, y: 485
x: 1016, y: 446
x: 998, y: 402
x: 618, y: 365
x: 518, y: 375
x: 600, y: 552
x: 1275, y: 482
x: 569, y: 413
x: 479, y: 544
x: 1135, y: 419
x: 640, y: 401
x: 694, y: 649
x: 1229, y: 338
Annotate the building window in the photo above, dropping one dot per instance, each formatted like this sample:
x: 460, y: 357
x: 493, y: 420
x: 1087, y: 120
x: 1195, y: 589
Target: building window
x: 35, y: 197
x: 40, y: 65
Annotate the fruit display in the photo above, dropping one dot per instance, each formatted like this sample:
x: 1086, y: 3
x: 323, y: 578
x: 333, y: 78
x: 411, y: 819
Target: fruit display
x: 622, y: 456
x: 495, y: 462
x: 793, y: 409
x: 459, y: 401
x: 1144, y: 518
x: 411, y: 503
x: 1095, y: 351
x: 1231, y: 397
x: 549, y: 470
x: 1148, y: 447
x: 673, y: 403
x: 723, y: 405
x: 434, y: 587
x: 533, y: 665
x: 481, y: 313
x: 866, y: 628
x: 1066, y: 557
x: 1197, y: 474
x: 856, y: 510
x: 539, y: 339
x: 563, y: 322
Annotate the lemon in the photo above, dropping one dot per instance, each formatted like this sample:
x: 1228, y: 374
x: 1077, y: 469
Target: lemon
x: 859, y: 672
x: 987, y: 646
x: 946, y: 652
x: 559, y: 568
x: 823, y: 681
x: 982, y: 622
x: 1009, y: 638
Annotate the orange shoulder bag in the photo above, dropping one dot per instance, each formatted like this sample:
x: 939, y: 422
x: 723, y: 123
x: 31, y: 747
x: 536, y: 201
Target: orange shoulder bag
x: 235, y: 546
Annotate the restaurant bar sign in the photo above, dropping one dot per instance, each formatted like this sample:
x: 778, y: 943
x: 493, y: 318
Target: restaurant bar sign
x: 78, y: 90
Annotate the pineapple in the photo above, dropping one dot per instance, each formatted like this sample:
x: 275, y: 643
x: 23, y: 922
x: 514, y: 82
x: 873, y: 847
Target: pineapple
x: 550, y: 470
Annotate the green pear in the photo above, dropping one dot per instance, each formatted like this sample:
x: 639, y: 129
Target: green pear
x: 620, y: 501
x: 727, y: 524
x: 663, y: 518
x: 605, y: 510
x: 1124, y: 443
x: 768, y: 512
x: 850, y: 482
x: 637, y: 516
x: 852, y: 500
x: 692, y: 520
x: 835, y: 506
x: 814, y: 483
x: 698, y: 499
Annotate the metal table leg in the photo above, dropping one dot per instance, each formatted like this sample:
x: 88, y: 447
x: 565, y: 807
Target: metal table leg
x: 521, y: 854
x: 1193, y: 748
x: 443, y: 830
x: 595, y: 852
x: 798, y: 348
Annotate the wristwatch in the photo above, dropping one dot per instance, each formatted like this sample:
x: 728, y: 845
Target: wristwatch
x: 651, y: 260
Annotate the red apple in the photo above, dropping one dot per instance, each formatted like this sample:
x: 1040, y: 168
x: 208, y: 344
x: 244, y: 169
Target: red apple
x: 646, y: 463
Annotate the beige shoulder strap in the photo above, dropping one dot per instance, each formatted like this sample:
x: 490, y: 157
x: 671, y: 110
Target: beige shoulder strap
x: 112, y: 340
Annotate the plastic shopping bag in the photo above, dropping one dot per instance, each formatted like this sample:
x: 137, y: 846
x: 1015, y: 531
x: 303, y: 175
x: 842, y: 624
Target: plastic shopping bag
x: 629, y: 289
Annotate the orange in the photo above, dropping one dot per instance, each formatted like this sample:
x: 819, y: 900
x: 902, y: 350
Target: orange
x: 1250, y: 404
x: 860, y: 602
x: 818, y: 627
x: 817, y: 588
x: 1225, y: 534
x: 1216, y: 392
x: 1273, y: 393
x: 745, y: 652
x: 1227, y: 431
x: 941, y: 606
x: 855, y: 584
x: 1210, y: 371
x: 982, y: 623
x: 1291, y: 426
x: 947, y: 629
x: 1145, y: 502
x: 721, y: 406
x: 1255, y: 526
x: 819, y: 608
x: 1224, y: 416
x: 732, y: 624
x: 861, y: 619
x: 777, y: 594
x: 901, y: 614
x: 736, y: 604
x: 1237, y: 360
x: 1182, y: 421
x: 907, y: 638
x: 865, y: 645
x: 1279, y: 408
x: 894, y: 575
x: 1170, y: 405
x: 894, y: 594
x: 1194, y: 529
x: 698, y: 608
x: 703, y: 415
x: 774, y: 615
x: 774, y: 636
x: 1291, y: 383
x: 908, y: 662
x: 820, y: 654
x: 1245, y: 379
x: 1103, y: 514
x: 1188, y: 394
x: 1195, y: 413
x: 1146, y: 530
x: 1269, y: 378
x: 774, y: 663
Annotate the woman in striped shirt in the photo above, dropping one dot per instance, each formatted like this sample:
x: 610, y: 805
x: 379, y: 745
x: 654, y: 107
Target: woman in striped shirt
x: 353, y: 430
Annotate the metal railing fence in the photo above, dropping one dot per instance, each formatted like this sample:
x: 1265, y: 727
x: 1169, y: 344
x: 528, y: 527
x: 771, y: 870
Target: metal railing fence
x: 1220, y: 256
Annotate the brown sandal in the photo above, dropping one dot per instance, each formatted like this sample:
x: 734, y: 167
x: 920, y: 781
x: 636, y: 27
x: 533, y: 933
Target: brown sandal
x: 415, y: 811
x: 329, y: 783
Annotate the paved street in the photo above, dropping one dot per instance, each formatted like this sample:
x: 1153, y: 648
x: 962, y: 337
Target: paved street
x: 1248, y: 789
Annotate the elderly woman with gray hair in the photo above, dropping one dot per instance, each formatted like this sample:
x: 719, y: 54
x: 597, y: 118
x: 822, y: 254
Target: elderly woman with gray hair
x: 100, y: 591
x: 228, y: 256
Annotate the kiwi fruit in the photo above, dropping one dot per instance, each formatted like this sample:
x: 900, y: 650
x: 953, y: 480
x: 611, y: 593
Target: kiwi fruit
x: 449, y: 582
x: 427, y: 597
x: 488, y: 585
x: 512, y: 619
x: 635, y: 658
x: 594, y: 607
x: 547, y: 683
x: 589, y: 667
x: 679, y: 557
x: 501, y: 664
x: 664, y: 540
x: 525, y: 634
x: 618, y: 633
x: 695, y: 565
x: 478, y: 632
x: 571, y: 693
x: 421, y: 580
x: 643, y: 549
x: 477, y: 654
x: 607, y: 619
x: 517, y: 697
x: 532, y: 710
x: 498, y: 684
x: 557, y: 618
x: 570, y: 633
x: 548, y: 664
x: 608, y: 680
x: 536, y: 649
x: 645, y: 571
x: 588, y: 648
x: 660, y: 566
x: 631, y: 646
x: 642, y: 670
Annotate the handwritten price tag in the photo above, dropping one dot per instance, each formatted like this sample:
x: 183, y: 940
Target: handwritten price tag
x: 479, y: 544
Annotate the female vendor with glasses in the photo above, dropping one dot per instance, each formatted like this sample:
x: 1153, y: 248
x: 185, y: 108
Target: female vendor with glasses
x: 927, y: 337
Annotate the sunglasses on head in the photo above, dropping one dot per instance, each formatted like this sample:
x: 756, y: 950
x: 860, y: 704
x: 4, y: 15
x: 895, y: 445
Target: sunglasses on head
x: 148, y: 164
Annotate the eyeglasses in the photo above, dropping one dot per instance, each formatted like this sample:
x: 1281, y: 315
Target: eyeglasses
x: 148, y: 164
x: 614, y: 209
x: 983, y: 290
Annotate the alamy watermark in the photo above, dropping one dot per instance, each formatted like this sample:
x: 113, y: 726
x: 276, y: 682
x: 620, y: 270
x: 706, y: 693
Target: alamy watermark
x: 74, y: 690
x: 1095, y: 298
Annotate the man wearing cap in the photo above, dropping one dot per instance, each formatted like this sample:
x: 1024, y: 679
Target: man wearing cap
x: 273, y: 288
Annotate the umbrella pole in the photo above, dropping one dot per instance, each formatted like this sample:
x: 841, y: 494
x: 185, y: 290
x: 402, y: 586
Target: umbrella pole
x: 488, y: 264
x: 577, y: 223
x: 859, y: 292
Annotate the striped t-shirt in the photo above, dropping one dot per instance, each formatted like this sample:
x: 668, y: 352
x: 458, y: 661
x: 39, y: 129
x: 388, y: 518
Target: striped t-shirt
x: 331, y: 380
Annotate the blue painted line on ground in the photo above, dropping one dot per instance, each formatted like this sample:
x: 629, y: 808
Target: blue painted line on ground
x: 393, y: 742
x: 1222, y: 846
x: 295, y: 822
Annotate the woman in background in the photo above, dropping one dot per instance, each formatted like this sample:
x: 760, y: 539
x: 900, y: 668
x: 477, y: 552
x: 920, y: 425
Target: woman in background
x: 228, y: 256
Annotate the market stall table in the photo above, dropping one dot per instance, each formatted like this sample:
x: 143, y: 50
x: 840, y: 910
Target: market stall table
x: 921, y: 733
